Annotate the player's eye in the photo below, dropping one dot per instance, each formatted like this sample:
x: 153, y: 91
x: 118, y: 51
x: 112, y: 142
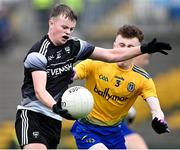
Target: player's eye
x: 71, y: 29
x: 64, y: 27
x: 122, y: 45
x: 129, y: 46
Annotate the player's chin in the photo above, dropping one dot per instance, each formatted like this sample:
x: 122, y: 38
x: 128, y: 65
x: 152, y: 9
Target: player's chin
x: 63, y: 41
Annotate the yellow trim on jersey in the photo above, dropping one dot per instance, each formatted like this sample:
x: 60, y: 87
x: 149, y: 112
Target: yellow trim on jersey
x: 114, y: 89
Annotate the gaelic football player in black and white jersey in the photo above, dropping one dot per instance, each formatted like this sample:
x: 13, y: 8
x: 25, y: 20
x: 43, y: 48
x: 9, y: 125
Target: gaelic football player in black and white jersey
x: 47, y: 71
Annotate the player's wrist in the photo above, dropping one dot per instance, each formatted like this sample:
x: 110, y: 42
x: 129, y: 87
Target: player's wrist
x: 144, y: 49
x: 158, y: 114
x: 55, y: 108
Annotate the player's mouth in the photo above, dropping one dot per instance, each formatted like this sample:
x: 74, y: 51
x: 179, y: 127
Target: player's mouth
x: 65, y: 37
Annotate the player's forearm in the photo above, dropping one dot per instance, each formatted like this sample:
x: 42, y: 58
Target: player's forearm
x: 155, y: 108
x: 115, y: 55
x: 121, y: 54
x: 128, y: 53
x: 45, y: 98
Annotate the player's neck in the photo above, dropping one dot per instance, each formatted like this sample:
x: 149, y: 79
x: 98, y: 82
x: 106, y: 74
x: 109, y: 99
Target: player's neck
x: 124, y: 65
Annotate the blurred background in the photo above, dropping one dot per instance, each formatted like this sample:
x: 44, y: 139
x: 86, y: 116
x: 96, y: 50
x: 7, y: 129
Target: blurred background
x: 23, y: 22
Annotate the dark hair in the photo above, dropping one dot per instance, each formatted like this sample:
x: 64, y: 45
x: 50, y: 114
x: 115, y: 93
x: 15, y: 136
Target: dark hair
x: 61, y: 9
x: 131, y: 31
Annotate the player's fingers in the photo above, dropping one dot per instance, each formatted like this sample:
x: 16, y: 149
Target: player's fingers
x: 63, y: 111
x: 168, y: 130
x: 163, y: 52
x: 153, y: 41
x: 165, y: 46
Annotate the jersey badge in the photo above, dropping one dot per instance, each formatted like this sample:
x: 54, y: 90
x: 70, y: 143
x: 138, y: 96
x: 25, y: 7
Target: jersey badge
x: 67, y: 49
x: 35, y: 134
x: 131, y: 87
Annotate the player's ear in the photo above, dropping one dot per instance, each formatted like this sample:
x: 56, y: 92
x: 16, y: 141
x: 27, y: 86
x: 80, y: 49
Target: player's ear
x: 51, y: 22
x: 114, y: 44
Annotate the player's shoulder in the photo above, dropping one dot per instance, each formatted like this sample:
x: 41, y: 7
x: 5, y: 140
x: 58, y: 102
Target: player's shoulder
x: 141, y: 71
x: 73, y: 42
x: 75, y: 39
x: 41, y: 45
x: 93, y: 62
x: 38, y: 49
x: 97, y: 62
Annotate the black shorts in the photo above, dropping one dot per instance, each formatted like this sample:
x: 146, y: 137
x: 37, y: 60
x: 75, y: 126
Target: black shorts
x: 33, y: 127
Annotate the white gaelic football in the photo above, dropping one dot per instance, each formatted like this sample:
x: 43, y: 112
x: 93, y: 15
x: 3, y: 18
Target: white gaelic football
x: 78, y: 101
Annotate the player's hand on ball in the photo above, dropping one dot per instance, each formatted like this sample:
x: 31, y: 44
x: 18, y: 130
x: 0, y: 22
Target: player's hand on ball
x: 160, y: 126
x: 155, y: 46
x: 62, y: 112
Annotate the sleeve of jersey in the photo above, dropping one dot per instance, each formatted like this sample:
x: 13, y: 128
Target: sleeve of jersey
x: 148, y: 89
x: 86, y: 49
x: 35, y: 61
x: 83, y: 69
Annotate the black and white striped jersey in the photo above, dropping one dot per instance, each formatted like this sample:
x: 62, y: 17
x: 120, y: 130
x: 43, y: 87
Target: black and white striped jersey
x: 58, y: 62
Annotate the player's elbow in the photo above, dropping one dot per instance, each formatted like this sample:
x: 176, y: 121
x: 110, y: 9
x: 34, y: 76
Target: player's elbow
x: 39, y: 93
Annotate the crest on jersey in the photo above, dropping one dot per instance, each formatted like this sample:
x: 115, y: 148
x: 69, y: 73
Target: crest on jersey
x: 35, y: 134
x: 131, y: 87
x: 67, y: 49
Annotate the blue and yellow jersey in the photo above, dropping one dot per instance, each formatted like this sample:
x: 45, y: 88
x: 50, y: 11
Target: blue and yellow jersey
x: 114, y: 89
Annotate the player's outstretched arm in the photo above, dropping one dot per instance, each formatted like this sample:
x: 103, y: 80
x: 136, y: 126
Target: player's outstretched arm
x: 121, y: 54
x: 158, y: 123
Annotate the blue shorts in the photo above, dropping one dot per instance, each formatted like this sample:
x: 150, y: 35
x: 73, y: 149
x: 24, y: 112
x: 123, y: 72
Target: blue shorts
x: 87, y: 135
x: 126, y: 130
